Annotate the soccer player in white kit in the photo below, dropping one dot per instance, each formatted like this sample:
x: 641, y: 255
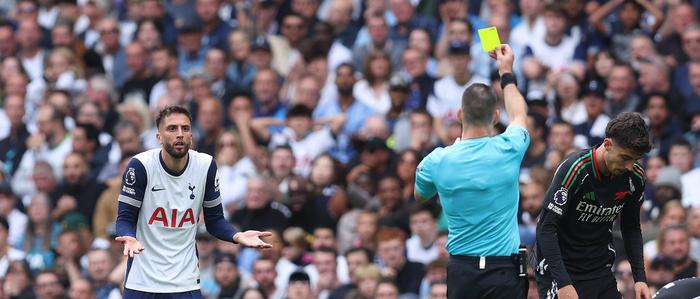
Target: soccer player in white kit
x: 163, y: 191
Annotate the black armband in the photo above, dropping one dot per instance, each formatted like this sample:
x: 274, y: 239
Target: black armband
x: 508, y: 78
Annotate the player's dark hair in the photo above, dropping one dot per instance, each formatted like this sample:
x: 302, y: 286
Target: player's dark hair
x: 172, y: 110
x: 630, y: 131
x: 478, y: 105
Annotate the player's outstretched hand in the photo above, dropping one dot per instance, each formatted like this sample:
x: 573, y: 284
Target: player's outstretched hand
x: 131, y: 245
x: 252, y: 238
x: 641, y: 291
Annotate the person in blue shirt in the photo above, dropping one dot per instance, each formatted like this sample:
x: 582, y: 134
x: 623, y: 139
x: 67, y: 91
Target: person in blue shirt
x: 476, y: 180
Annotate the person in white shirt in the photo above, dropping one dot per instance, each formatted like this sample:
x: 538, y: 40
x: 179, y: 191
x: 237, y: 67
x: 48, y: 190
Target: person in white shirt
x: 7, y: 253
x: 421, y: 246
x: 163, y: 192
x: 373, y: 90
x: 8, y: 210
x: 446, y: 99
x: 298, y: 133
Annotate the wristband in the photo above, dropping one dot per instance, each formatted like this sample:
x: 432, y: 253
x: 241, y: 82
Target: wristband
x: 508, y: 78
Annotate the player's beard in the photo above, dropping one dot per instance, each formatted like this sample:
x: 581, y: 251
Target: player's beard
x: 175, y: 153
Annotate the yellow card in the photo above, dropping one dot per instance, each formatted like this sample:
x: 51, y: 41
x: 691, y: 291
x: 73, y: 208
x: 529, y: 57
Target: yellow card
x: 489, y: 39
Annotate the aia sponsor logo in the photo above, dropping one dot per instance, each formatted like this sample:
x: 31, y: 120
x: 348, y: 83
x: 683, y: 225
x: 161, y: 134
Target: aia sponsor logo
x: 171, y: 220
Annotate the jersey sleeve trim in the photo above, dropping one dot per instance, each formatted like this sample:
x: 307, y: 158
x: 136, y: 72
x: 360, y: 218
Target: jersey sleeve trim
x: 211, y: 203
x: 130, y: 201
x: 575, y: 169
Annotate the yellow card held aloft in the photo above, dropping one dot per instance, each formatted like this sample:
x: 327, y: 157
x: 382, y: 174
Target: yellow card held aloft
x: 489, y: 39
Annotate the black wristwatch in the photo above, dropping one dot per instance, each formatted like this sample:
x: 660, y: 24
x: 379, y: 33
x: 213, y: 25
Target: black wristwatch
x: 508, y: 78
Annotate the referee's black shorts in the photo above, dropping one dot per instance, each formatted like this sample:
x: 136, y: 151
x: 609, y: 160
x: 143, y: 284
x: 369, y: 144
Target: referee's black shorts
x: 599, y: 288
x: 495, y: 277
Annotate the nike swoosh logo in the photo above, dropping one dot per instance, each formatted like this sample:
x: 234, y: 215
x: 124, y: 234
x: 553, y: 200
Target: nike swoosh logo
x: 155, y: 190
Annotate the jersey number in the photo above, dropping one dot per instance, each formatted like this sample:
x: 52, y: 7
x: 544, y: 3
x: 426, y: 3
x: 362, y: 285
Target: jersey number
x: 160, y: 216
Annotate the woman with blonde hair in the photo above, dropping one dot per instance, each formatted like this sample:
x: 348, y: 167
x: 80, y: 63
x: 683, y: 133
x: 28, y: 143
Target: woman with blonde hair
x: 62, y: 72
x: 235, y: 167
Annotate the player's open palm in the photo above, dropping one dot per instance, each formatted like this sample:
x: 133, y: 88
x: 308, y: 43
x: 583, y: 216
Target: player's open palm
x: 252, y: 238
x: 131, y: 245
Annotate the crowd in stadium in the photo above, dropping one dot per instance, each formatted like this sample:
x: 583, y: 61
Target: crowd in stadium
x: 318, y: 113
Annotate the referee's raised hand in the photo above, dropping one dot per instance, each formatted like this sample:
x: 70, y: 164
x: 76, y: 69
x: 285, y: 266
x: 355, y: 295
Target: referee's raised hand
x: 504, y: 56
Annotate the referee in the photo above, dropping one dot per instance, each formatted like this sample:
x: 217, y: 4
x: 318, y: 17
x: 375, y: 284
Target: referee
x: 477, y: 182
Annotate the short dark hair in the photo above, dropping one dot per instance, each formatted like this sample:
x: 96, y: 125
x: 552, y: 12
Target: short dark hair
x: 682, y: 142
x: 299, y: 111
x: 418, y: 208
x: 364, y: 250
x: 172, y: 110
x: 91, y: 132
x: 630, y: 131
x: 478, y: 104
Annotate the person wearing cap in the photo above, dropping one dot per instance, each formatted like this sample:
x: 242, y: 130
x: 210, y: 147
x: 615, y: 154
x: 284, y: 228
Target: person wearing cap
x: 191, y: 51
x: 227, y: 276
x: 592, y: 131
x: 444, y: 102
x: 488, y: 204
x: 261, y: 53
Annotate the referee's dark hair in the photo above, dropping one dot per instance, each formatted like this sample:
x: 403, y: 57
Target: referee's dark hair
x: 630, y: 131
x: 478, y: 105
x: 172, y: 110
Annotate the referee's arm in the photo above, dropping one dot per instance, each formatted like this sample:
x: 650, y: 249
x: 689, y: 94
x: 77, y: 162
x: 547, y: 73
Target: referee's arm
x: 425, y: 188
x: 514, y: 101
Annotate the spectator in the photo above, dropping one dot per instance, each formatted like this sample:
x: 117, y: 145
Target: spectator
x: 264, y: 277
x: 421, y: 246
x: 373, y: 90
x: 227, y: 276
x: 47, y: 285
x: 13, y: 144
x: 235, y: 168
x: 414, y: 64
x: 8, y: 210
x: 100, y: 265
x: 391, y: 250
x: 10, y: 254
x: 299, y: 286
x: 81, y: 289
x: 592, y: 130
x: 260, y: 211
x: 77, y: 192
x: 674, y: 243
x: 41, y: 235
x: 378, y: 29
x: 663, y: 127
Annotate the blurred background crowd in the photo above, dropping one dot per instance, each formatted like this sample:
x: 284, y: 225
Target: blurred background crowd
x: 318, y: 113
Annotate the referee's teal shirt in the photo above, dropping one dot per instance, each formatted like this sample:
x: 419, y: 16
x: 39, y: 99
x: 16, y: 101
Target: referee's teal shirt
x: 477, y: 182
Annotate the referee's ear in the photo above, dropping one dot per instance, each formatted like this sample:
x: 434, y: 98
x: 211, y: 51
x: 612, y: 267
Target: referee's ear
x: 459, y: 115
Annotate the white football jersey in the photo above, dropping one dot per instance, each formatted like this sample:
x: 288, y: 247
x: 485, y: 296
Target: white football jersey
x: 170, y: 205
